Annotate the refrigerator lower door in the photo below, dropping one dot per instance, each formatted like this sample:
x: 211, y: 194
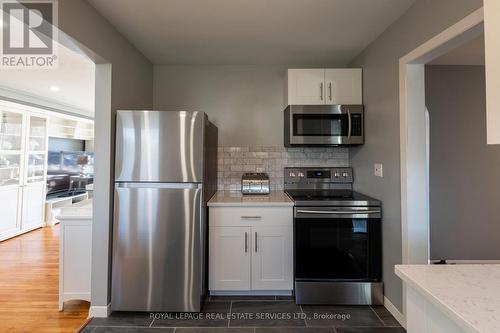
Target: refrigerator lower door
x: 157, y: 247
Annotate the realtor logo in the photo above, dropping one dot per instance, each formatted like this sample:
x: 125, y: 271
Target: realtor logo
x: 28, y: 34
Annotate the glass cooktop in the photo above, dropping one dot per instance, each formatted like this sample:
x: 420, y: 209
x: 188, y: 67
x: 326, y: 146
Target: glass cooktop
x: 333, y: 197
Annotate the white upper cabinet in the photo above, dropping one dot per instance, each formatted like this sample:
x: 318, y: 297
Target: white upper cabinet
x: 306, y: 86
x: 344, y: 86
x: 492, y: 58
x: 61, y: 127
x: 319, y: 86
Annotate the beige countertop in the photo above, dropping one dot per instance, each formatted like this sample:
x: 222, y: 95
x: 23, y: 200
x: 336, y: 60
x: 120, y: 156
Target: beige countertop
x: 228, y: 198
x: 79, y: 210
x: 467, y: 294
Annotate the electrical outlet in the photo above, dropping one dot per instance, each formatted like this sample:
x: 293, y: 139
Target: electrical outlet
x: 379, y: 170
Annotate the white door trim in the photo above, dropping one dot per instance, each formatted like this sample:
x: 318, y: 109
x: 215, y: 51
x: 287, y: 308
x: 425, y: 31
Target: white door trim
x: 99, y: 311
x: 413, y: 146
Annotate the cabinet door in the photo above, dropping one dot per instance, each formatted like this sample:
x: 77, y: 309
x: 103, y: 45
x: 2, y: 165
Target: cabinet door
x: 272, y: 258
x: 492, y: 60
x: 11, y: 147
x: 9, y: 222
x: 306, y: 86
x: 36, y: 161
x: 33, y: 205
x: 229, y: 259
x: 344, y: 86
x: 34, y: 173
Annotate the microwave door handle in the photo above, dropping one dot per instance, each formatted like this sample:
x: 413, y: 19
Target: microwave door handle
x: 349, y: 122
x: 304, y: 211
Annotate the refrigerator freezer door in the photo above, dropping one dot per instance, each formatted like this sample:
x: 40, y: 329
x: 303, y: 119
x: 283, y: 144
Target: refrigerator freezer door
x: 159, y: 146
x: 157, y: 255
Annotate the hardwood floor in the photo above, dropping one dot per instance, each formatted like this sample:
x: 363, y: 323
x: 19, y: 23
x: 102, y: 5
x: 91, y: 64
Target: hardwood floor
x: 29, y: 282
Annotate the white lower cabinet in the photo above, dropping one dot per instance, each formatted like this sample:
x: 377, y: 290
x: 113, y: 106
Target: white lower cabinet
x: 24, y: 209
x: 272, y: 259
x: 75, y: 252
x: 33, y: 206
x: 9, y: 223
x: 229, y: 258
x: 251, y: 249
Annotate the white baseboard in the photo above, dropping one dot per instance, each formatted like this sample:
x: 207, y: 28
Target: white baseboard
x: 102, y: 311
x: 16, y: 233
x: 395, y: 312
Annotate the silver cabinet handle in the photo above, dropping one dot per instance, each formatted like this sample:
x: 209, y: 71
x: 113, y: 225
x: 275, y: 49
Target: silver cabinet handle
x: 349, y: 120
x: 256, y: 241
x: 321, y: 91
x: 330, y: 90
x: 249, y: 217
x: 246, y: 242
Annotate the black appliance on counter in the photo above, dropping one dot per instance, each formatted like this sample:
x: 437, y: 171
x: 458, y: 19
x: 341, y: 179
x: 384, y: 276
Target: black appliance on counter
x: 337, y: 237
x: 63, y: 185
x: 69, y: 172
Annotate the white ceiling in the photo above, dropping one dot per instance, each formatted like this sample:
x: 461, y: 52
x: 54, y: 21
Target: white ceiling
x: 74, y: 76
x: 470, y: 53
x: 300, y: 32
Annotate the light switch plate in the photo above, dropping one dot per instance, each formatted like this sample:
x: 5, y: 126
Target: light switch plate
x: 379, y: 170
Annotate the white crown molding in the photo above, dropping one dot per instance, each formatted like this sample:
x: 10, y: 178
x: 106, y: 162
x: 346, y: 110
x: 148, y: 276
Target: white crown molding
x: 21, y: 97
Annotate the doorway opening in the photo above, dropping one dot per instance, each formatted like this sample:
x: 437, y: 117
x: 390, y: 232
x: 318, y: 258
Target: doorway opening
x: 463, y: 180
x: 49, y: 121
x: 414, y: 134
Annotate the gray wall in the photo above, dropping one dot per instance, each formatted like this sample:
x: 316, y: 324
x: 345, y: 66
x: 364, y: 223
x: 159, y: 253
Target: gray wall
x: 245, y: 102
x: 130, y: 75
x: 464, y: 178
x: 422, y: 21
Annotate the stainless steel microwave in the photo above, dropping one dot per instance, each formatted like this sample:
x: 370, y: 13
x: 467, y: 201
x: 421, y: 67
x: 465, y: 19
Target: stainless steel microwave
x: 324, y: 125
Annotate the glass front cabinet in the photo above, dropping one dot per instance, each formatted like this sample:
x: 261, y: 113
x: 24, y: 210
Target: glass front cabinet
x: 23, y: 169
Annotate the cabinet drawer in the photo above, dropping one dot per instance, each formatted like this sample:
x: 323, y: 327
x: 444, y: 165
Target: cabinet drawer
x: 250, y: 216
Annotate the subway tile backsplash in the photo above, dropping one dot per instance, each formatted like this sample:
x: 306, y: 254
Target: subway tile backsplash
x: 234, y: 161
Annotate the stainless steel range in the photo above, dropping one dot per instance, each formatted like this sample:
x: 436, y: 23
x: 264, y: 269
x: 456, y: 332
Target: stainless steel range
x: 337, y: 235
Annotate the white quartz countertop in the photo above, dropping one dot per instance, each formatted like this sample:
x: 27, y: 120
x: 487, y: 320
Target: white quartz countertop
x: 468, y: 294
x: 228, y: 198
x: 79, y: 210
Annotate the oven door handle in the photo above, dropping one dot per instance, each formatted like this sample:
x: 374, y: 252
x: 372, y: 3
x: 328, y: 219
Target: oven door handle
x: 303, y: 211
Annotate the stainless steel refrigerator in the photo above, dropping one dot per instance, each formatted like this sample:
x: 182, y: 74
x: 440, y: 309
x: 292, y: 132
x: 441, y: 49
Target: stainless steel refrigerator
x: 165, y: 172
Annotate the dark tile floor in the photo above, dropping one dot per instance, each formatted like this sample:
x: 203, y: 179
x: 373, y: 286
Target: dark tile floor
x: 253, y: 315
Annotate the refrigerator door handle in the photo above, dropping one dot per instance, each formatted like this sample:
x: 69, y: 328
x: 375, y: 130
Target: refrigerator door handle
x: 158, y: 185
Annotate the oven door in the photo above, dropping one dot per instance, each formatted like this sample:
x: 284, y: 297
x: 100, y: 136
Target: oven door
x: 338, y: 244
x: 326, y: 125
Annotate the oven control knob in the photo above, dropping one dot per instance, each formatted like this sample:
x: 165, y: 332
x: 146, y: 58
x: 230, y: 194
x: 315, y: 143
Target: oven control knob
x: 337, y: 175
x: 345, y: 175
x: 301, y: 174
x: 292, y: 174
